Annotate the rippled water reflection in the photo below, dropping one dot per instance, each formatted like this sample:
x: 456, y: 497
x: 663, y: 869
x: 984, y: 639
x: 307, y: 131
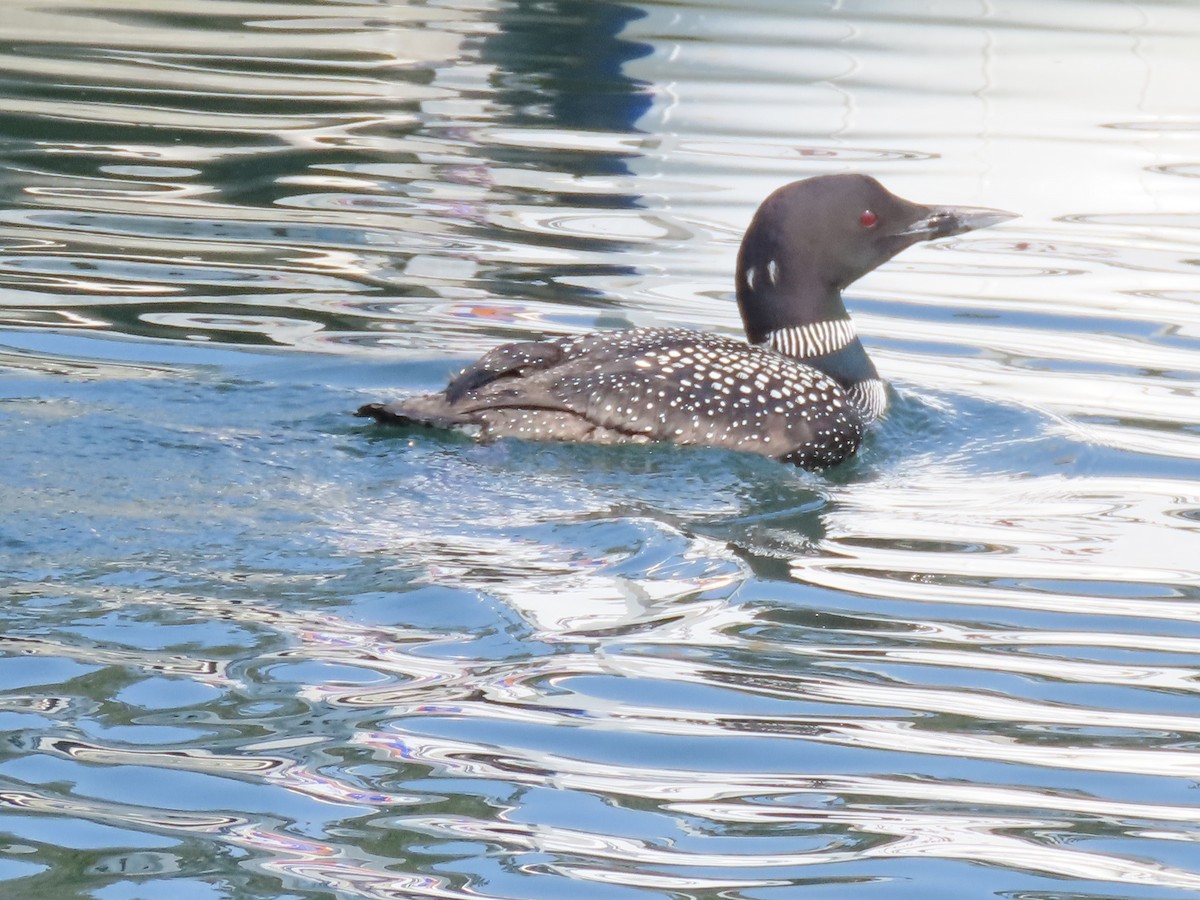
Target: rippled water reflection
x: 252, y: 648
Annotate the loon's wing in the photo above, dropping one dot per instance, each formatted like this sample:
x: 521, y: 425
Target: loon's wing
x: 666, y: 385
x: 499, y: 373
x: 505, y: 361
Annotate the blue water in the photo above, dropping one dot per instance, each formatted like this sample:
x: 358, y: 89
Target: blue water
x: 252, y: 647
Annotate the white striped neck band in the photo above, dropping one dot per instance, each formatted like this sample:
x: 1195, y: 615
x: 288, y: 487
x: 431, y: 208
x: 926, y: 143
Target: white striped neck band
x: 870, y: 397
x: 813, y: 339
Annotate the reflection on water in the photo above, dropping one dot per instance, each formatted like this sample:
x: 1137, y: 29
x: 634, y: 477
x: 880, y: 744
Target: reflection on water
x: 253, y: 649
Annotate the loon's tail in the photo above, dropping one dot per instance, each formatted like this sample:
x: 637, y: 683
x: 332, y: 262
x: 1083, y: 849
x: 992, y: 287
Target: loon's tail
x: 431, y: 410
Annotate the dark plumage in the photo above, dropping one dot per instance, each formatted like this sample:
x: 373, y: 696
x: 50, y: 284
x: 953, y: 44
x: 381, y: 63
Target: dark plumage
x: 802, y: 391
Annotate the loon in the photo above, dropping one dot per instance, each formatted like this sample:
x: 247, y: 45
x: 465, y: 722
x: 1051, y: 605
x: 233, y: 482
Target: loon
x: 802, y: 390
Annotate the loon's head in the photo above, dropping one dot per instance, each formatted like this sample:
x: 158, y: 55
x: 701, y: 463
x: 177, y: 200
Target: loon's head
x: 812, y: 238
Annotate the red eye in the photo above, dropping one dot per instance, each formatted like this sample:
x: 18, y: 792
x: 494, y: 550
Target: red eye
x: 868, y: 219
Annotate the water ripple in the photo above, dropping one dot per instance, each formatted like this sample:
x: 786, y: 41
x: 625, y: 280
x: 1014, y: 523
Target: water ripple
x: 254, y: 648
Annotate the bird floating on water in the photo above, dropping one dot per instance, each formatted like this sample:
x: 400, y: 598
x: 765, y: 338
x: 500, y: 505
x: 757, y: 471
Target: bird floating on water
x: 802, y: 390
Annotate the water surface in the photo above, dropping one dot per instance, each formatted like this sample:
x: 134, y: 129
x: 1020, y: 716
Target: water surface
x: 251, y: 647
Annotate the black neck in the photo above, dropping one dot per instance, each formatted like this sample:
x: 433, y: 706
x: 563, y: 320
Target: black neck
x: 772, y: 295
x: 847, y: 366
